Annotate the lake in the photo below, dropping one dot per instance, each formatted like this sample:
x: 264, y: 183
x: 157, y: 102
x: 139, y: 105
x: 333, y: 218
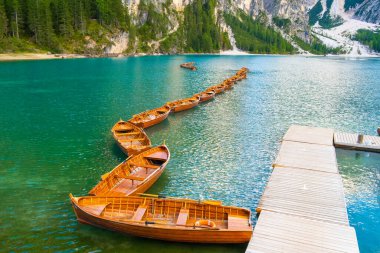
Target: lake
x: 56, y: 117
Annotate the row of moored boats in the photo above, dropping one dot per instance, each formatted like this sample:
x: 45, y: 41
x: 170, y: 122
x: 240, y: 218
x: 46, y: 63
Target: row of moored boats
x: 118, y: 201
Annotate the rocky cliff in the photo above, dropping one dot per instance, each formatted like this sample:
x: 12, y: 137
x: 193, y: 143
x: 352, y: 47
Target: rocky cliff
x: 368, y: 11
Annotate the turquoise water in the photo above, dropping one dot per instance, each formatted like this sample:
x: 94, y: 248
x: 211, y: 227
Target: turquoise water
x: 55, y: 138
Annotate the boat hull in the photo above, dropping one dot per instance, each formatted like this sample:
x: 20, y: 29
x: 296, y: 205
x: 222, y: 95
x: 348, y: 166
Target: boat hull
x: 155, y: 121
x: 205, y: 96
x: 128, y: 146
x: 184, y: 107
x: 131, y: 151
x: 188, y: 234
x: 218, y: 90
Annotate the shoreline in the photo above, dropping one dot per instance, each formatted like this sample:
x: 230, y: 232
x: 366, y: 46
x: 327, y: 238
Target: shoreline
x: 36, y: 56
x: 45, y: 56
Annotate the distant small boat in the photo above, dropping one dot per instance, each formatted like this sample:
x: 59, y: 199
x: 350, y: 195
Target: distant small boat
x: 130, y: 138
x: 151, y: 117
x: 216, y: 88
x: 206, y: 95
x: 189, y: 65
x: 184, y: 104
x: 135, y: 175
x: 169, y: 219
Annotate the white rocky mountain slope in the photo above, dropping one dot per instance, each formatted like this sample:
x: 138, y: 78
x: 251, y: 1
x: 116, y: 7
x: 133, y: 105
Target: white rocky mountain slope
x: 365, y: 15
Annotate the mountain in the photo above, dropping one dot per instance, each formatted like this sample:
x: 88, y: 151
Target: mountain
x: 98, y: 27
x: 336, y: 24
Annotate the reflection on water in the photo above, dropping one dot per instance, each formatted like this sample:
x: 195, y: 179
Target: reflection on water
x: 56, y: 118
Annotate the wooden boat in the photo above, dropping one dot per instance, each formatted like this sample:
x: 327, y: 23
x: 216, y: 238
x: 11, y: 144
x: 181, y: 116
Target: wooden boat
x: 135, y: 175
x: 130, y: 138
x: 151, y: 117
x: 242, y: 73
x: 228, y: 85
x: 166, y: 219
x: 206, y: 95
x: 216, y: 88
x: 189, y: 65
x: 184, y: 104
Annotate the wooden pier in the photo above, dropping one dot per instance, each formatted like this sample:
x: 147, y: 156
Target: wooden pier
x: 303, y: 207
x: 353, y: 141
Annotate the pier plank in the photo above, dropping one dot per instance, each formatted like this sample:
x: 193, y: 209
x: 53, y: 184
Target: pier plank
x: 303, y: 207
x: 350, y: 141
x: 314, y: 135
x: 276, y: 232
x: 307, y: 156
x: 312, y: 194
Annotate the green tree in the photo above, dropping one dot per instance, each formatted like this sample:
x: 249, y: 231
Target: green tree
x: 13, y: 9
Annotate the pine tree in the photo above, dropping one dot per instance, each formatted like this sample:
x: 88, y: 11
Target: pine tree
x: 15, y: 17
x: 3, y: 20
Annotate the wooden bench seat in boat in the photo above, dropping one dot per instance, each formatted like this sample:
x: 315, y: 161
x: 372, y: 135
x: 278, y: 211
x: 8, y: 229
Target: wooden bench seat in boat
x: 158, y: 156
x: 139, y: 213
x: 131, y: 140
x: 236, y: 222
x: 134, y: 178
x: 149, y: 166
x: 130, y: 133
x: 96, y: 209
x: 182, y: 217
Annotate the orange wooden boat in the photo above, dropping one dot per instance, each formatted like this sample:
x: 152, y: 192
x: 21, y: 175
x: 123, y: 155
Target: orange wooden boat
x: 206, y: 95
x: 242, y: 73
x: 135, y: 175
x: 151, y: 117
x: 216, y: 88
x: 184, y: 104
x: 168, y: 219
x: 189, y: 65
x: 130, y: 138
x: 228, y: 85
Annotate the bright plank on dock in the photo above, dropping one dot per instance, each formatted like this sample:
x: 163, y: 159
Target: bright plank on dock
x: 275, y: 232
x: 311, y: 194
x: 307, y: 156
x: 350, y: 141
x: 315, y: 135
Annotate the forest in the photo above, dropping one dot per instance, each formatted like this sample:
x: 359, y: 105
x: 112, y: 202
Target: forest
x: 203, y: 33
x: 58, y: 25
x: 70, y: 25
x: 369, y: 38
x: 255, y: 37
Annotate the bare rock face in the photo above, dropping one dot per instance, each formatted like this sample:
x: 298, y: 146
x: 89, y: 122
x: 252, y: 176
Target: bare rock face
x: 294, y: 10
x: 119, y: 44
x: 369, y: 11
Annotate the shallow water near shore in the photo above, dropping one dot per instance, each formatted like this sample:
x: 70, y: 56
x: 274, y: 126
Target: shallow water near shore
x: 56, y: 117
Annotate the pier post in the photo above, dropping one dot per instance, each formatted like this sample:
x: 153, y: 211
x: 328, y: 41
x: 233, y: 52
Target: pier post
x: 360, y: 138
